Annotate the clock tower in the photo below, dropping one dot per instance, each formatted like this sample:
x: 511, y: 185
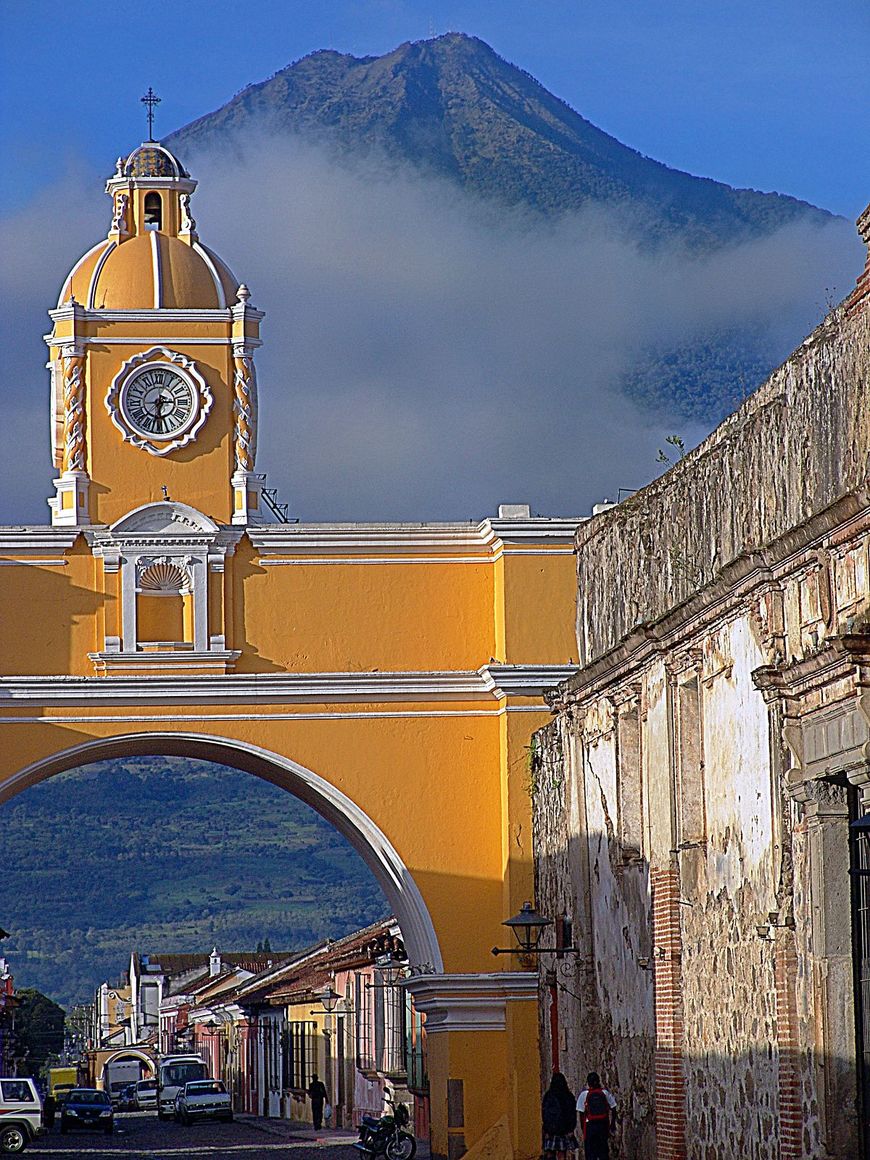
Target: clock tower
x: 151, y: 361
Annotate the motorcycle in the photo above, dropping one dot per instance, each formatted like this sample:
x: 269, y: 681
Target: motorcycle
x: 385, y: 1136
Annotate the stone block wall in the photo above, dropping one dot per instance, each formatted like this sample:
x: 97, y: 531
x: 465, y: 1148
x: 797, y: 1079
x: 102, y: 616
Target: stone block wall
x: 793, y: 448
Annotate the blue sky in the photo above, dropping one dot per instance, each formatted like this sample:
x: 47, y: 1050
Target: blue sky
x: 375, y: 389
x: 773, y: 95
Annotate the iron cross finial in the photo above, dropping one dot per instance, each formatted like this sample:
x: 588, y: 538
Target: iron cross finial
x: 150, y: 99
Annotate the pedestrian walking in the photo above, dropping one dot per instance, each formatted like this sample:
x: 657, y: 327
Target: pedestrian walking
x: 558, y: 1119
x: 597, y: 1109
x: 317, y: 1095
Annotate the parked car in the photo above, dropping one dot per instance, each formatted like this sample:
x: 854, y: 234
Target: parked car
x: 126, y: 1101
x: 20, y: 1114
x: 203, y: 1099
x: 146, y: 1095
x: 87, y: 1108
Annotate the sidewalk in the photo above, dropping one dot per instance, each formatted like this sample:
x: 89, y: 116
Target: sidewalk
x: 293, y: 1132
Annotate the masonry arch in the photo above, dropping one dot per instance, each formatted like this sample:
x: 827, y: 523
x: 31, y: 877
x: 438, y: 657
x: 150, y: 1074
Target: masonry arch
x: 131, y: 1053
x: 369, y: 841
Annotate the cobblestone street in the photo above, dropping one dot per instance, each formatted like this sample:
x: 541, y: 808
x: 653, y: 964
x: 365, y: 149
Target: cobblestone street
x: 141, y: 1136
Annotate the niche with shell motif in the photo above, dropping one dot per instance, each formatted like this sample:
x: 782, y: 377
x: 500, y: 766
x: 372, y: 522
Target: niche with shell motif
x: 164, y: 605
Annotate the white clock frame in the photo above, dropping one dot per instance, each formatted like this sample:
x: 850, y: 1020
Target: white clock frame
x: 159, y: 356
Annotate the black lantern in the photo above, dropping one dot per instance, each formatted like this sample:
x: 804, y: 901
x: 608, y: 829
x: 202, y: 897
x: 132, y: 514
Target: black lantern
x: 390, y: 969
x: 329, y: 999
x: 528, y: 926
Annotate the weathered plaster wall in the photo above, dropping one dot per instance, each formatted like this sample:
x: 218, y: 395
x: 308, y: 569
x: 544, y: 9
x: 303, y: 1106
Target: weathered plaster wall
x: 793, y: 448
x: 720, y: 610
x: 604, y: 995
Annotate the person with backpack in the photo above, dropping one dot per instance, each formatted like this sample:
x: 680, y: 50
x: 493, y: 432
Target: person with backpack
x: 597, y: 1109
x: 558, y: 1118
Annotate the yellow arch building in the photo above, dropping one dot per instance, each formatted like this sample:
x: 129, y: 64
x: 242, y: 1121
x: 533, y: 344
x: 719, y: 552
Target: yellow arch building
x: 390, y: 675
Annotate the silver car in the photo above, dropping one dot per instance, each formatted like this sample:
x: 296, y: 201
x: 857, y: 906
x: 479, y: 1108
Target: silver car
x: 203, y: 1099
x: 146, y: 1095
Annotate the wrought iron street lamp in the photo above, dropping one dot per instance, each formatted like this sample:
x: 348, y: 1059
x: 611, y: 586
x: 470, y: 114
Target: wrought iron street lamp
x: 329, y: 999
x: 390, y: 969
x: 528, y: 926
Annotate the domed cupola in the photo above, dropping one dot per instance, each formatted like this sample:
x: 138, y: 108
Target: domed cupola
x: 151, y: 360
x: 152, y: 257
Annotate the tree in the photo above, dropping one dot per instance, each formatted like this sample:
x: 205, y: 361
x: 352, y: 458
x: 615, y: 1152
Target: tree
x: 38, y: 1030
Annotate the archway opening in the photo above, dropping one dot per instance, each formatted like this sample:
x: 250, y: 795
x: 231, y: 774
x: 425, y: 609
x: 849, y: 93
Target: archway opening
x: 187, y: 850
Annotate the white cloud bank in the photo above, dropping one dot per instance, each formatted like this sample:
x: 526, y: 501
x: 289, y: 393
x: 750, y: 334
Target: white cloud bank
x: 425, y: 357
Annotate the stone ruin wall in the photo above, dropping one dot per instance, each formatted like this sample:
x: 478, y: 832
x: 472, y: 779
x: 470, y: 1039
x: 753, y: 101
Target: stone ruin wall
x: 789, y: 452
x: 605, y: 1020
x: 793, y: 450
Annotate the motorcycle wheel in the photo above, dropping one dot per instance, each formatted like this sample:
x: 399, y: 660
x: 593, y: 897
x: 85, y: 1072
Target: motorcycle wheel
x: 401, y: 1146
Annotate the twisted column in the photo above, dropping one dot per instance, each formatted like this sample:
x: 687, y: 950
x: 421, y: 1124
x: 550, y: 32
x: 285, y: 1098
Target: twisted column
x: 73, y: 361
x: 244, y: 408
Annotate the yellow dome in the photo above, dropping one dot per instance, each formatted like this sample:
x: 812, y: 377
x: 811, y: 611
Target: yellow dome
x: 150, y: 271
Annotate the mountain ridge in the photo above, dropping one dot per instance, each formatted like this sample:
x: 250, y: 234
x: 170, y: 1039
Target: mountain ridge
x: 451, y: 105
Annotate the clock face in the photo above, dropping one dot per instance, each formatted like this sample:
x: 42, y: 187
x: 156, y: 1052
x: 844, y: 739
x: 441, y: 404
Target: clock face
x: 158, y: 402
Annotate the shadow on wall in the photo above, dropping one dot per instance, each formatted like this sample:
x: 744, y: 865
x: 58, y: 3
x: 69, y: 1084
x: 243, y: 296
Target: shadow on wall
x: 676, y: 1005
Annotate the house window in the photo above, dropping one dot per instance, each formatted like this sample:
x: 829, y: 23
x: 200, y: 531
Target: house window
x: 690, y: 764
x: 629, y: 784
x: 365, y: 1048
x: 415, y: 1048
x: 393, y: 1053
x: 300, y: 1057
x: 153, y: 211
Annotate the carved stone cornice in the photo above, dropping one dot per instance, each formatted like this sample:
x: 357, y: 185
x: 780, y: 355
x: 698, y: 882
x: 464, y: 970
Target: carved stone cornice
x: 737, y: 583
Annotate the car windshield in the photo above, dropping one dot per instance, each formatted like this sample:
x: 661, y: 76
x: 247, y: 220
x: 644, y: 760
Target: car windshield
x: 210, y: 1085
x: 178, y: 1074
x: 84, y: 1096
x: 147, y: 1085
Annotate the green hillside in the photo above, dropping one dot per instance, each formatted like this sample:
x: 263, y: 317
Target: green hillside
x: 166, y: 855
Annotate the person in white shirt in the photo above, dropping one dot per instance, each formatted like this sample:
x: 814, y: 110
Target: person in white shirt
x: 596, y: 1107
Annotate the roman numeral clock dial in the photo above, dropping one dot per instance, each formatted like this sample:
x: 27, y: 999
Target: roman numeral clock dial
x: 159, y: 401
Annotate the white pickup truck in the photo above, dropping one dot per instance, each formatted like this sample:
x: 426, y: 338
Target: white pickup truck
x: 20, y: 1114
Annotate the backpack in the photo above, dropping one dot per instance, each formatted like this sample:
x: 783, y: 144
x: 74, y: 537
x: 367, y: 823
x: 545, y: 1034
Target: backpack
x: 597, y: 1107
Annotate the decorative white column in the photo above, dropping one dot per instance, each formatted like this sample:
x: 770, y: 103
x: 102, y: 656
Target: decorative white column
x: 69, y: 505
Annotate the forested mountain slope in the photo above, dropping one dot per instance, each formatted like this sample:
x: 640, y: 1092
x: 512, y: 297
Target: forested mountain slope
x: 166, y: 854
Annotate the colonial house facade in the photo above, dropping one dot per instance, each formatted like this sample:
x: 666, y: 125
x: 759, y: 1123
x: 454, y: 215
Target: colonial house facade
x: 267, y: 1036
x: 266, y: 1023
x: 696, y: 794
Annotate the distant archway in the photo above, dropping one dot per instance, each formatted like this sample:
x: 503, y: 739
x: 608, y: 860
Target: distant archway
x: 370, y: 842
x: 133, y: 1053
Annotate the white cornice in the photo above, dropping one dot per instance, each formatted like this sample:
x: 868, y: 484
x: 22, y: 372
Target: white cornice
x: 487, y: 684
x: 524, y: 680
x: 67, y: 312
x: 469, y: 1002
x: 21, y: 540
x: 357, y: 537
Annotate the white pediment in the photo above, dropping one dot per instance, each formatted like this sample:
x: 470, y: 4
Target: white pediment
x: 166, y: 518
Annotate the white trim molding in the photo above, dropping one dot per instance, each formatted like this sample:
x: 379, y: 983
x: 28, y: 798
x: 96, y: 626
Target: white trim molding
x: 470, y: 1002
x: 355, y: 538
x: 19, y: 541
x: 279, y: 688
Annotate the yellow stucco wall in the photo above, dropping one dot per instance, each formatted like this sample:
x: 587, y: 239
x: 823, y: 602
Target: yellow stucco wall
x: 436, y: 760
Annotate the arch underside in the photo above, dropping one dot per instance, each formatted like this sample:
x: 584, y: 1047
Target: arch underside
x: 373, y: 846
